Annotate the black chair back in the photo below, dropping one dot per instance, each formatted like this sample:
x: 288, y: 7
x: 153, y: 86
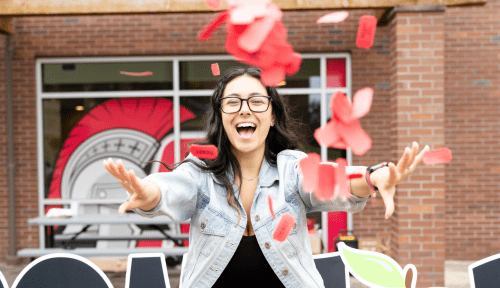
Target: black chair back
x: 332, y: 270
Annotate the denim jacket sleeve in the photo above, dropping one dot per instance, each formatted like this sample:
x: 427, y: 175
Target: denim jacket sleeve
x: 179, y: 192
x: 354, y: 204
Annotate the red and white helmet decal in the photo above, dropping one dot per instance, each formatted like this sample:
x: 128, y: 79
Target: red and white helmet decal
x: 149, y: 116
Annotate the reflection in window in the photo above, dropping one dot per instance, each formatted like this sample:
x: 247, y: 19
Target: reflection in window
x: 199, y: 106
x: 198, y: 74
x: 119, y: 76
x: 59, y: 117
x: 335, y: 73
x: 333, y: 153
x: 306, y: 109
x: 193, y: 130
x: 306, y: 77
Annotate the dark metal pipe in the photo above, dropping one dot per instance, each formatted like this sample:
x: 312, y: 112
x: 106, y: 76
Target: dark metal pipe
x: 9, y: 48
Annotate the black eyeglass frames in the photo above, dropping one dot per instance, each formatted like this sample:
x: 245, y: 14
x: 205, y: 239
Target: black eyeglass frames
x: 257, y: 104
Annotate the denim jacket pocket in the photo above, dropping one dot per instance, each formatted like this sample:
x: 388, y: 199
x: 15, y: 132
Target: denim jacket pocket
x: 214, y: 227
x: 288, y: 247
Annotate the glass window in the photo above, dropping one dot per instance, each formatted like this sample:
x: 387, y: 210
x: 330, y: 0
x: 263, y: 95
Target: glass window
x: 335, y: 73
x: 306, y: 77
x: 306, y: 108
x: 333, y: 153
x: 80, y: 133
x: 193, y: 110
x: 120, y: 76
x: 198, y: 74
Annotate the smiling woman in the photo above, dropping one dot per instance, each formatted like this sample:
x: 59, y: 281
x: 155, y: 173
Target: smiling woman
x: 257, y: 159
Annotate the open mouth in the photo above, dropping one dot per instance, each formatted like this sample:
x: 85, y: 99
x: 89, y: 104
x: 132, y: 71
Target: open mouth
x: 245, y: 132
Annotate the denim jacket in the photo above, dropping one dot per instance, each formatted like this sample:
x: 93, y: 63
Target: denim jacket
x: 214, y: 234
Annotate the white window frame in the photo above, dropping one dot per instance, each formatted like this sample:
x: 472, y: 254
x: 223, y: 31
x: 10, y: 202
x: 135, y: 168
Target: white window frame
x: 176, y: 93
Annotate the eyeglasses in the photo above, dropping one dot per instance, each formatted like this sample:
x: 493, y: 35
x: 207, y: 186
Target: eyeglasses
x: 255, y: 104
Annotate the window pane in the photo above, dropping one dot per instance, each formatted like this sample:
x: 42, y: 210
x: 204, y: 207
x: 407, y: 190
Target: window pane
x: 335, y: 73
x: 194, y: 110
x: 306, y: 77
x: 333, y: 153
x: 198, y: 74
x: 306, y: 108
x: 196, y: 107
x: 122, y: 76
x: 80, y: 133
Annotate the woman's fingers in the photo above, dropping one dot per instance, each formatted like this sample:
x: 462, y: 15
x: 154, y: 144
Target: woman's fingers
x: 402, y: 162
x: 114, y: 169
x: 121, y: 170
x: 419, y: 158
x: 414, y: 152
x: 108, y: 165
x: 123, y: 208
x: 392, y: 174
x: 135, y: 182
x: 387, y: 196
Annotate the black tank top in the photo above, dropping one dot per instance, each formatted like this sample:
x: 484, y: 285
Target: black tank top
x: 248, y: 268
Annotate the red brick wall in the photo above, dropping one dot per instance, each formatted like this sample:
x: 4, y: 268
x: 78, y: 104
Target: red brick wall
x: 473, y: 131
x: 174, y: 34
x: 160, y: 35
x: 4, y: 193
x: 370, y: 68
x: 417, y: 98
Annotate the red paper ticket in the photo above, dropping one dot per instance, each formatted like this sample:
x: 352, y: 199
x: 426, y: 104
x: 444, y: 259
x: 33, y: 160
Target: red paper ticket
x: 309, y: 167
x: 325, y: 189
x: 354, y: 176
x: 204, y: 151
x: 137, y: 74
x: 366, y: 31
x: 284, y: 227
x: 270, y: 202
x: 215, y: 69
x: 437, y: 156
x: 335, y: 17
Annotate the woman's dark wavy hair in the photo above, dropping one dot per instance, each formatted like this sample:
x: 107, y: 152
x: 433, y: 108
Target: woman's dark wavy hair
x: 283, y: 135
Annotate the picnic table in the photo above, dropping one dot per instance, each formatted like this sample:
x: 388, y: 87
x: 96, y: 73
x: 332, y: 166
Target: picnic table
x: 88, y: 220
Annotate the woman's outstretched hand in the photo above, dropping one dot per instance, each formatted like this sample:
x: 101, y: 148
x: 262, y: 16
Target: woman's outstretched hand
x: 144, y: 194
x: 386, y: 179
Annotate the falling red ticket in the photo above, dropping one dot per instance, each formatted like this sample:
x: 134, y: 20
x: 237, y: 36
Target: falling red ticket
x: 213, y: 4
x: 342, y: 190
x: 284, y: 227
x: 309, y: 168
x: 137, y: 74
x: 215, y: 69
x: 203, y: 151
x: 344, y: 129
x: 213, y: 25
x: 334, y: 17
x: 437, y: 156
x: 270, y: 202
x: 325, y: 189
x: 366, y: 31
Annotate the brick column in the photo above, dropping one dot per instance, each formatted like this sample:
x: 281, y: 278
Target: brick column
x: 4, y: 190
x: 417, y: 114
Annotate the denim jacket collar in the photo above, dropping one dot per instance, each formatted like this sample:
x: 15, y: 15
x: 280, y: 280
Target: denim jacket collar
x: 267, y: 176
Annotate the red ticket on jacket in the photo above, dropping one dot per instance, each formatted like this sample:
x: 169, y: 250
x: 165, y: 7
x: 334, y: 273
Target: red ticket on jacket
x: 270, y: 202
x: 284, y: 227
x: 204, y: 151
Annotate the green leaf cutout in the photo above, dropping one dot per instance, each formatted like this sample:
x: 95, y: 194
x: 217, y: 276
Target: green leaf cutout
x: 372, y: 268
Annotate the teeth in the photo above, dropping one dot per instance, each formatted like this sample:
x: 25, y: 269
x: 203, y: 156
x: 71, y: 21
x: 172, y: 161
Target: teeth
x: 245, y: 125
